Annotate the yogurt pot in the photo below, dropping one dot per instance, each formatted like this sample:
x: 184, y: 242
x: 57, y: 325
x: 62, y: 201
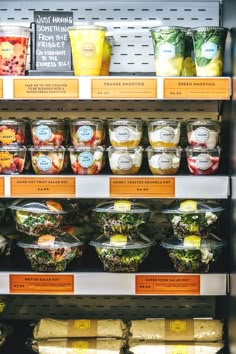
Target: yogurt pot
x: 106, y: 56
x: 48, y: 132
x: 13, y: 49
x: 209, y: 47
x: 203, y: 133
x: 47, y: 160
x: 12, y: 159
x: 87, y: 132
x: 202, y: 161
x: 125, y: 161
x: 164, y: 161
x: 12, y: 131
x: 86, y: 160
x: 169, y: 45
x: 125, y: 132
x: 163, y: 132
x: 87, y: 42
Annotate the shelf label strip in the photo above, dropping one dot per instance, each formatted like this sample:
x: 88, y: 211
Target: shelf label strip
x: 42, y: 187
x: 124, y: 88
x: 197, y: 88
x: 142, y: 187
x: 41, y: 284
x: 167, y: 285
x: 46, y: 88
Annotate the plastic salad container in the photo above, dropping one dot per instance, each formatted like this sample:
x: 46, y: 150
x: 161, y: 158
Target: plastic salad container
x: 38, y: 217
x: 48, y: 132
x: 119, y: 254
x: 164, y: 161
x: 202, y: 161
x: 51, y: 252
x: 125, y: 132
x: 87, y: 132
x: 121, y: 216
x: 12, y: 131
x: 203, y: 133
x: 163, y: 132
x: 47, y: 160
x: 193, y: 254
x: 125, y: 161
x: 192, y: 217
x: 86, y: 160
x: 12, y: 159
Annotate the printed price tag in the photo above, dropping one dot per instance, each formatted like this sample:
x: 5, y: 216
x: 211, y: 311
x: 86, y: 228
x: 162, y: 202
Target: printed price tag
x: 41, y: 284
x: 124, y: 88
x: 197, y: 88
x: 46, y: 88
x: 167, y: 284
x: 42, y: 187
x: 2, y: 187
x: 142, y: 187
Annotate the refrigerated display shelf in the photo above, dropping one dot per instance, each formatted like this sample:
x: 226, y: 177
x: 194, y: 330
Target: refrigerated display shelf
x: 106, y: 186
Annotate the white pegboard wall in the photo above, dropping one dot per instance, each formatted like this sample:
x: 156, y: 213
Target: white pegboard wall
x: 128, y: 22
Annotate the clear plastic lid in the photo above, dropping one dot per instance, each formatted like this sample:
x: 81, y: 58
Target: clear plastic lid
x: 52, y: 241
x: 47, y: 148
x: 160, y: 149
x: 42, y: 206
x: 125, y: 149
x: 193, y: 242
x: 12, y: 148
x: 51, y: 121
x: 168, y: 28
x: 202, y: 149
x: 82, y: 121
x: 193, y: 206
x: 209, y: 28
x: 123, y: 242
x: 16, y: 31
x: 118, y: 122
x: 164, y: 122
x: 14, y: 121
x: 87, y: 28
x: 121, y: 206
x: 203, y: 123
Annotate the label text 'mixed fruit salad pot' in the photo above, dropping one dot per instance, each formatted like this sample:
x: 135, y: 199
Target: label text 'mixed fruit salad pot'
x: 13, y: 49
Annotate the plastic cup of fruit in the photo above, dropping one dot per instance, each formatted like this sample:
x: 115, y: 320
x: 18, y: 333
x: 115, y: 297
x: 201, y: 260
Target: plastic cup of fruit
x: 169, y: 45
x: 48, y: 132
x: 191, y: 217
x: 119, y: 254
x: 125, y: 161
x: 125, y: 132
x: 193, y: 254
x: 164, y: 161
x: 12, y: 131
x: 87, y: 133
x: 51, y: 252
x: 86, y: 160
x: 47, y: 160
x: 39, y: 217
x: 121, y: 216
x: 12, y: 159
x: 209, y: 47
x: 163, y: 132
x: 13, y: 49
x: 87, y: 43
x: 203, y: 133
x: 106, y: 56
x: 202, y: 161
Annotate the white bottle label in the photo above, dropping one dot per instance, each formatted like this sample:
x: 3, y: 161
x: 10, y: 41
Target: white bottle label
x: 209, y: 50
x: 122, y: 134
x: 167, y: 134
x: 201, y: 135
x: 203, y: 161
x: 86, y: 159
x: 125, y: 162
x: 43, y: 132
x: 44, y: 163
x: 167, y: 51
x: 165, y: 161
x: 85, y: 133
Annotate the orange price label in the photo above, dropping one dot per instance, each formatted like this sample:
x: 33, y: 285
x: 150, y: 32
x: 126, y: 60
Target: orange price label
x: 41, y: 284
x: 197, y: 88
x: 167, y: 284
x: 144, y: 187
x: 1, y: 88
x: 2, y: 187
x: 42, y: 187
x: 46, y: 88
x: 124, y: 88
